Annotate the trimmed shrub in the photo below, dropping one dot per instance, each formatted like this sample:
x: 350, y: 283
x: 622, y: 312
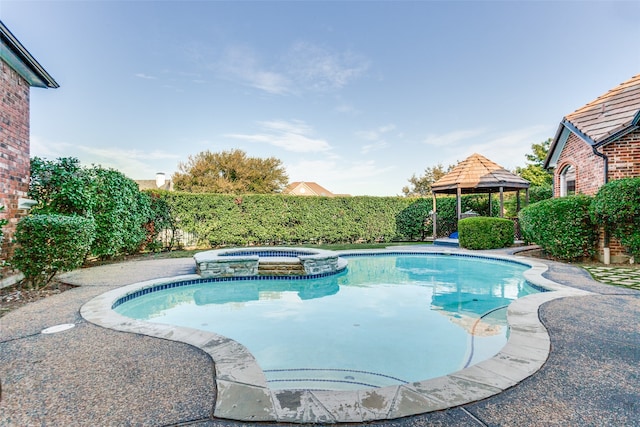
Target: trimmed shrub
x: 561, y: 226
x: 540, y: 193
x: 616, y: 207
x: 447, y: 218
x: 485, y: 233
x: 121, y: 212
x: 48, y: 244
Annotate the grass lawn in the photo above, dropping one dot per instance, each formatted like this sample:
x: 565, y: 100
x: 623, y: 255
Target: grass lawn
x: 627, y: 275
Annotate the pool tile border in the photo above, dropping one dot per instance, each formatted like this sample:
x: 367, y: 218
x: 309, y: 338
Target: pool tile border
x: 243, y: 393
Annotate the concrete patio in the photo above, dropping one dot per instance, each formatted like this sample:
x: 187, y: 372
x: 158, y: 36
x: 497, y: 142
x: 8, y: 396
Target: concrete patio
x: 89, y: 375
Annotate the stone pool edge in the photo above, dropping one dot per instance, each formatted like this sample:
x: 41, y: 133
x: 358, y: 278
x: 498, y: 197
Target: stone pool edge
x: 243, y: 393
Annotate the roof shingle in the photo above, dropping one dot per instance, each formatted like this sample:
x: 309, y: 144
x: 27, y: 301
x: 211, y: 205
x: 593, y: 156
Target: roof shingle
x: 478, y: 174
x: 610, y: 113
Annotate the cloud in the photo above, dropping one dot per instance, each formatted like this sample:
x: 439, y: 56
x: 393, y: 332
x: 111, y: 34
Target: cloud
x: 346, y: 109
x: 318, y: 68
x: 507, y: 148
x: 300, y: 68
x: 145, y: 76
x: 375, y: 134
x: 334, y: 171
x: 376, y: 137
x: 292, y: 136
x: 49, y: 149
x: 240, y: 63
x: 453, y: 137
x: 133, y: 163
x: 365, y: 149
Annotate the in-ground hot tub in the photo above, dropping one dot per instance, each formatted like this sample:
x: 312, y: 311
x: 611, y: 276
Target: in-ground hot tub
x: 266, y: 261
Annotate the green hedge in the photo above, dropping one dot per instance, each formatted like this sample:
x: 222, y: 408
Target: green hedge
x: 561, y: 226
x: 485, y: 233
x: 617, y: 208
x: 283, y: 219
x: 48, y: 244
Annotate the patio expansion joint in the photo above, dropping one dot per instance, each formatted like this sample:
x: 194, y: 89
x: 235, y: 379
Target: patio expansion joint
x: 473, y: 417
x: 20, y: 338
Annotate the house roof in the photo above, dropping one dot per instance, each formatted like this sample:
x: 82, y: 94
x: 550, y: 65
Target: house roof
x: 312, y: 189
x: 19, y: 58
x: 610, y: 113
x: 477, y: 174
x: 601, y: 121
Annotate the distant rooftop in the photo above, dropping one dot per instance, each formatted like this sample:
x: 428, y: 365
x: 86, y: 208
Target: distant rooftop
x: 303, y: 188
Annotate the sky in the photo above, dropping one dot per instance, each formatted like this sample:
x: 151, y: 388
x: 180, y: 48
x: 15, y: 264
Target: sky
x: 357, y: 96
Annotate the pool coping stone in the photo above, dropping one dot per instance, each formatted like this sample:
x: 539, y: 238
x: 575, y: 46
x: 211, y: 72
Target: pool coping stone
x: 243, y: 393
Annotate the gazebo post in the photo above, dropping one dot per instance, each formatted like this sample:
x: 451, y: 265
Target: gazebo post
x: 434, y: 217
x: 490, y: 206
x: 459, y: 202
x: 501, y: 202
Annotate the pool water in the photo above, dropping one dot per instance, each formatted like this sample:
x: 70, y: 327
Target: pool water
x: 386, y: 320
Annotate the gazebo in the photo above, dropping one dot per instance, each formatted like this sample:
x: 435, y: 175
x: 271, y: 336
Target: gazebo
x: 477, y: 174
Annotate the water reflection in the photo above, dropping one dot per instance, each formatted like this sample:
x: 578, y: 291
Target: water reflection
x: 254, y: 290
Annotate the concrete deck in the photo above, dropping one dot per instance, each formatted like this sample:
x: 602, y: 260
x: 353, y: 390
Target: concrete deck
x: 89, y: 375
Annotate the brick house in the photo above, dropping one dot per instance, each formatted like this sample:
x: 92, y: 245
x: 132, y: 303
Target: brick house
x: 18, y: 73
x: 598, y: 143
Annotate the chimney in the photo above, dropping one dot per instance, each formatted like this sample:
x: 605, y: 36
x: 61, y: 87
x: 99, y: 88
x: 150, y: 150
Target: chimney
x: 160, y: 180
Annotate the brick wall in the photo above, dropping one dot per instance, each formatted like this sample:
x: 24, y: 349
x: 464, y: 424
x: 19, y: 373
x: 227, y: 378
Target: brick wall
x: 624, y: 156
x: 589, y: 167
x: 624, y: 162
x: 14, y: 149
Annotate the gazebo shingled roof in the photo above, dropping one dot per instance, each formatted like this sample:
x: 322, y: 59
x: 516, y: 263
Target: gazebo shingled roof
x: 477, y: 174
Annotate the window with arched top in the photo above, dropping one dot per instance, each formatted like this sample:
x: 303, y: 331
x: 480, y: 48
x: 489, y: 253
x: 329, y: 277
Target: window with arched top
x: 568, y: 181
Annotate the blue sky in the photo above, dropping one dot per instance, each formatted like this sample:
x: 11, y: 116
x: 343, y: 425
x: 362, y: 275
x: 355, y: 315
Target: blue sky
x: 354, y: 95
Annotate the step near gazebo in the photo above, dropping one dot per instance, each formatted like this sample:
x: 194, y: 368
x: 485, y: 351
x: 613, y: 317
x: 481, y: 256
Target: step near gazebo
x: 475, y: 175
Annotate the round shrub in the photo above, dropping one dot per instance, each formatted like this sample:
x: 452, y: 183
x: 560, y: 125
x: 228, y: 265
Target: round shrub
x: 48, y: 244
x: 617, y: 208
x: 561, y: 226
x: 485, y: 233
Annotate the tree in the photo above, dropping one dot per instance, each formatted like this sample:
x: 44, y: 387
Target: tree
x: 534, y: 172
x: 421, y: 186
x: 230, y: 172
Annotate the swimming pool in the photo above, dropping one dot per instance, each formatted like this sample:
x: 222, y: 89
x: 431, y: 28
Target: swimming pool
x: 389, y: 319
x: 244, y: 394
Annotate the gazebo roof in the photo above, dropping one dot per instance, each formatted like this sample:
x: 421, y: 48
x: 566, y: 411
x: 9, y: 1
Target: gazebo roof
x: 477, y: 174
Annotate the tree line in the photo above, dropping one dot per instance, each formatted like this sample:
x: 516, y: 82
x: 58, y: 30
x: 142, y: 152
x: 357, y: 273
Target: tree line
x: 234, y: 172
